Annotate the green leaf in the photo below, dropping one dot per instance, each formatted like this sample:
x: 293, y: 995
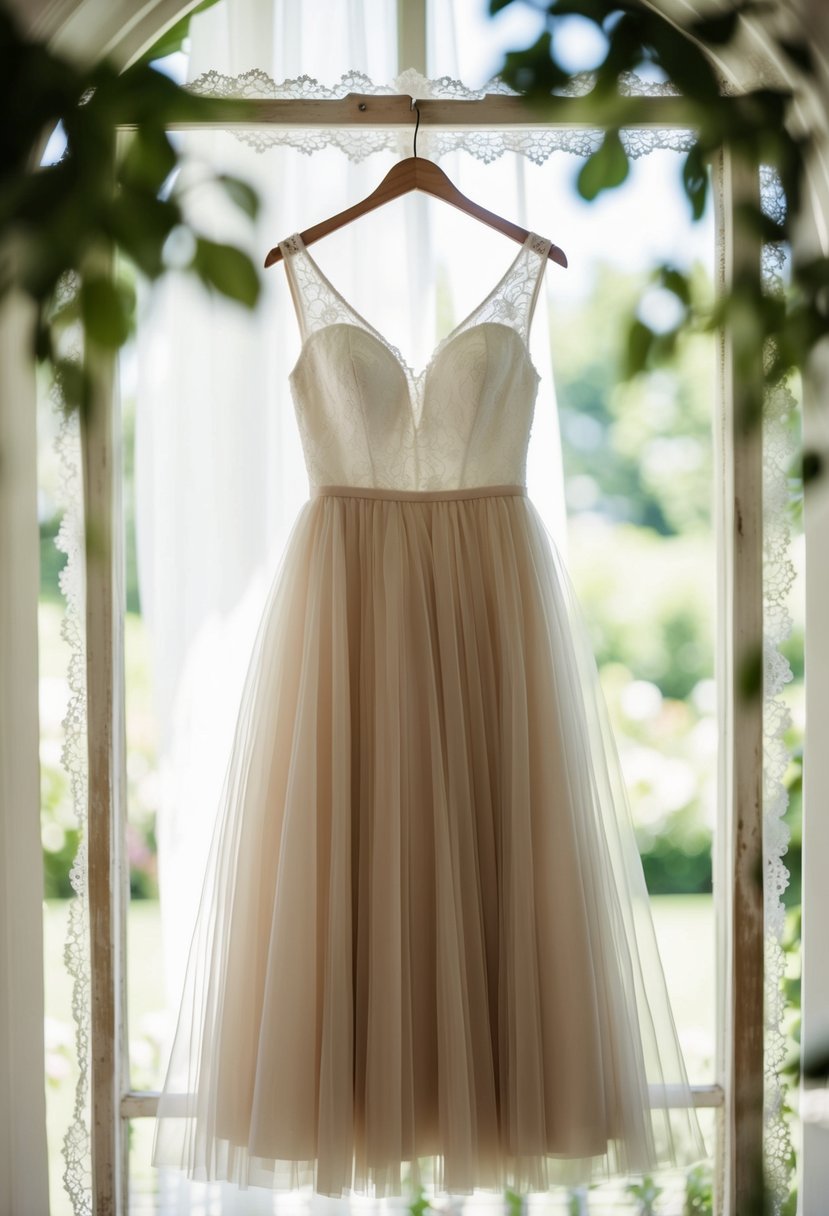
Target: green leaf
x: 149, y: 159
x: 228, y: 270
x: 813, y: 274
x: 664, y: 346
x: 65, y: 313
x: 591, y: 10
x: 607, y: 168
x: 140, y: 223
x: 106, y: 311
x: 513, y: 1202
x: 495, y: 6
x: 242, y: 194
x: 624, y: 51
x: 142, y: 96
x: 677, y: 282
x: 533, y: 71
x: 812, y: 467
x: 685, y: 64
x: 695, y: 181
x: 173, y: 39
x: 756, y: 221
x: 639, y: 342
x: 73, y: 384
x: 419, y: 1204
x: 44, y: 348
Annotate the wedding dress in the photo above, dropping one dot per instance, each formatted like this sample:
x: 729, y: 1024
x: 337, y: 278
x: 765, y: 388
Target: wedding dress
x: 424, y: 954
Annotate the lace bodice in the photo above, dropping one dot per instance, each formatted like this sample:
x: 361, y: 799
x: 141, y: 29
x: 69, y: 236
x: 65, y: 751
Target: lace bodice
x: 366, y: 418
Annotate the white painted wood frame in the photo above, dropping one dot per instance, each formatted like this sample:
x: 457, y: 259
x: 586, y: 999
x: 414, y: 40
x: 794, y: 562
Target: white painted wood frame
x: 738, y: 844
x: 740, y: 900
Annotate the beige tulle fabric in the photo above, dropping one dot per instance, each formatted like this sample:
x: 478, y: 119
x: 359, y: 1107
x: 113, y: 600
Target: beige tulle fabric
x: 424, y: 954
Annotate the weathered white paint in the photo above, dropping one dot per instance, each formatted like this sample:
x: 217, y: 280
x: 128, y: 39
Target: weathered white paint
x: 739, y: 841
x: 814, y: 1158
x: 813, y: 1162
x: 24, y: 1184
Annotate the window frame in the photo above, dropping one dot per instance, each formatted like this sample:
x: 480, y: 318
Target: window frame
x: 738, y: 1091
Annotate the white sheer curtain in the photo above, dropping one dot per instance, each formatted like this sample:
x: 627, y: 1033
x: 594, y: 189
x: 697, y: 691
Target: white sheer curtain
x: 219, y: 467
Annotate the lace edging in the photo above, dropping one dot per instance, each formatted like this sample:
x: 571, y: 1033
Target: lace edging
x: 778, y: 579
x: 486, y: 145
x: 77, y: 1173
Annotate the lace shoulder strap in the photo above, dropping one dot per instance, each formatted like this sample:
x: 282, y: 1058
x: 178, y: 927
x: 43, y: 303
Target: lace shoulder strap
x: 316, y: 302
x: 512, y: 300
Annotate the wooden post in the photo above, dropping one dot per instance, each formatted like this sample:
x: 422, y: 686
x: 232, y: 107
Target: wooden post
x: 739, y: 861
x: 107, y: 867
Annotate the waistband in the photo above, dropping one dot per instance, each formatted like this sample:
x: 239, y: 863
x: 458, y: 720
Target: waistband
x: 417, y: 495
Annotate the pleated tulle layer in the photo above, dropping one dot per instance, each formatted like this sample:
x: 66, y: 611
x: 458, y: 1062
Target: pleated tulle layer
x: 424, y: 954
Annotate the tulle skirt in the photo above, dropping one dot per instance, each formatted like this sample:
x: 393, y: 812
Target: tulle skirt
x: 424, y: 955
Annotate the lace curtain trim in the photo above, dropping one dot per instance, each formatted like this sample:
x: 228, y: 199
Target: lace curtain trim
x: 487, y: 145
x: 779, y: 447
x: 778, y: 451
x: 77, y: 1172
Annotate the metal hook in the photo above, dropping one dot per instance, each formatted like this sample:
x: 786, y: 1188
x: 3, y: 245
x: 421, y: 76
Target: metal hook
x: 416, y: 107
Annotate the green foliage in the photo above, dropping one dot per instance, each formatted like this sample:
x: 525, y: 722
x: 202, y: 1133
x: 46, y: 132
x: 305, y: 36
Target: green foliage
x: 639, y: 452
x: 513, y: 1203
x: 648, y: 604
x: 674, y: 868
x: 575, y: 1203
x: 637, y: 459
x: 62, y: 224
x: 59, y: 828
x: 420, y: 1205
x: 794, y: 822
x: 227, y: 269
x: 606, y: 168
x: 173, y: 39
x: 757, y: 127
x: 644, y: 1195
x: 699, y: 1191
x: 59, y: 832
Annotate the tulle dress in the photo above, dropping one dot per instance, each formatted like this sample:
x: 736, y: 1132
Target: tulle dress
x: 424, y: 954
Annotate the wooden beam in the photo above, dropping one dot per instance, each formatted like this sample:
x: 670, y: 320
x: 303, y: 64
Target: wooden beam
x: 107, y: 867
x: 373, y: 110
x: 739, y: 863
x: 142, y: 1104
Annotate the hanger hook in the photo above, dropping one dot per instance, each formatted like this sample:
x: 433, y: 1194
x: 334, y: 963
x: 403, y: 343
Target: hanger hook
x: 416, y: 107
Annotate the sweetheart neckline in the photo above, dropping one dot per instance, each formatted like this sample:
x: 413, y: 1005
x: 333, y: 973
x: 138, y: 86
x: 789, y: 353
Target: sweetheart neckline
x: 417, y: 421
x: 415, y: 378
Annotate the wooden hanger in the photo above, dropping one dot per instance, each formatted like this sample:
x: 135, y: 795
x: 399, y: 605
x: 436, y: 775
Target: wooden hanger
x: 415, y: 173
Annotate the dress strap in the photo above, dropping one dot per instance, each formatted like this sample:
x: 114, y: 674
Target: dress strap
x: 511, y: 302
x: 316, y: 302
x: 513, y: 298
x: 289, y: 248
x: 539, y: 251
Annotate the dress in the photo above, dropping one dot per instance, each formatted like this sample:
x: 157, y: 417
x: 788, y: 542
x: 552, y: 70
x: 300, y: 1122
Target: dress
x: 423, y: 955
